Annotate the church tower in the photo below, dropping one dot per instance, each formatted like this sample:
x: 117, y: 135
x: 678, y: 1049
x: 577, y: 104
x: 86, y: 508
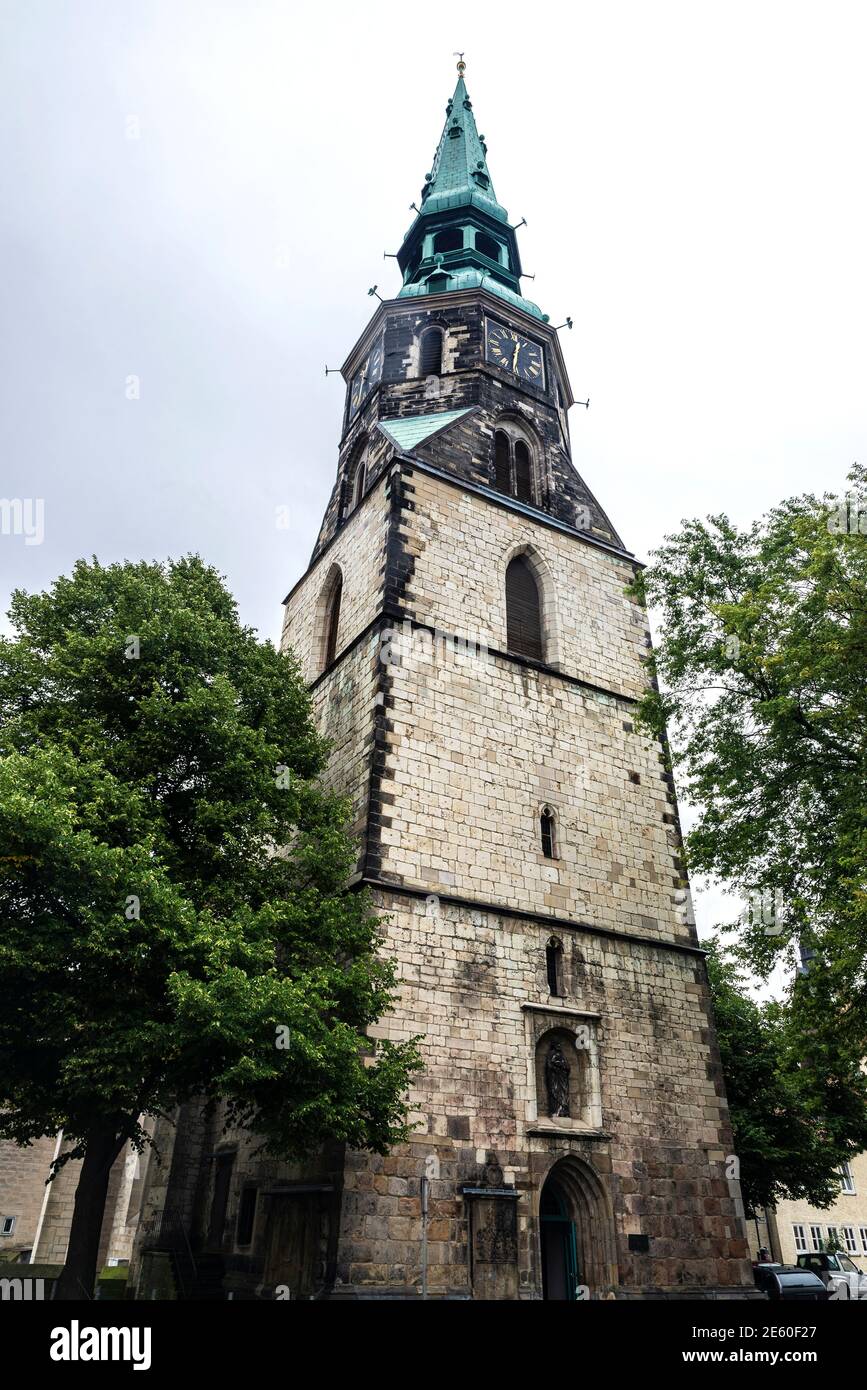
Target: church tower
x: 476, y: 662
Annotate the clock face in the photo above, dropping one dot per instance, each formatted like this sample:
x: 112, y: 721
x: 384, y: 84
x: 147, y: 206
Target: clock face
x: 357, y: 391
x: 368, y: 374
x: 373, y: 371
x: 512, y: 352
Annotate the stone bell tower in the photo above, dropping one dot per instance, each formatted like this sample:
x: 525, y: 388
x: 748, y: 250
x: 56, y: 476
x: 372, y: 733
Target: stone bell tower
x: 476, y: 663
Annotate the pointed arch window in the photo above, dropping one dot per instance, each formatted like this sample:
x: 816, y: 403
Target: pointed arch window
x: 354, y: 481
x: 523, y: 611
x: 332, y: 621
x: 513, y: 463
x: 548, y: 832
x: 431, y: 358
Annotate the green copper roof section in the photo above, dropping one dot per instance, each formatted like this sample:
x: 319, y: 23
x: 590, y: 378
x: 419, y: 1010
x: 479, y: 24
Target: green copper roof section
x: 441, y: 281
x: 460, y: 174
x: 410, y: 430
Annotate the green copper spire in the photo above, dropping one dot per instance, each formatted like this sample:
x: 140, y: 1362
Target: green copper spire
x: 461, y: 237
x: 460, y: 173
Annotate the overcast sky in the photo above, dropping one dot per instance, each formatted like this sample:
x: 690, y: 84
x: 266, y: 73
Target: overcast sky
x: 200, y: 194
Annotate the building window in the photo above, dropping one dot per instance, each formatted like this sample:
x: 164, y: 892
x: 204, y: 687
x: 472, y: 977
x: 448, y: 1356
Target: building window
x: 847, y: 1182
x: 849, y: 1239
x: 488, y: 247
x: 816, y: 1238
x: 548, y: 832
x: 554, y: 966
x: 833, y: 1239
x: 431, y: 360
x: 800, y: 1239
x: 332, y: 622
x: 523, y: 472
x: 222, y: 1175
x: 513, y: 464
x: 862, y: 1231
x: 523, y: 611
x: 354, y: 481
x: 451, y: 240
x: 359, y: 478
x: 8, y: 1225
x: 246, y: 1215
x: 502, y: 462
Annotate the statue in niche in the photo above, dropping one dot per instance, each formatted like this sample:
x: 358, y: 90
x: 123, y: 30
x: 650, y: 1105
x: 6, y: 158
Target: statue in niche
x: 557, y: 1082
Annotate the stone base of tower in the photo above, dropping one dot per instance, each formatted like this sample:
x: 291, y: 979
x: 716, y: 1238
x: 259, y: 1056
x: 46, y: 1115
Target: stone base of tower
x: 627, y: 1195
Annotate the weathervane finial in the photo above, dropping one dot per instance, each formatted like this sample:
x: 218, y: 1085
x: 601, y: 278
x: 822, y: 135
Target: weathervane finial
x: 462, y: 67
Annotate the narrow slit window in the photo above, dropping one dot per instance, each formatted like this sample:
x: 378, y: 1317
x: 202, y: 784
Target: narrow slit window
x: 523, y: 611
x: 332, y: 623
x: 554, y: 966
x: 547, y: 833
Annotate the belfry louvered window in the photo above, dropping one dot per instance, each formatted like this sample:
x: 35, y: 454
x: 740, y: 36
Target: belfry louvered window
x: 502, y: 462
x: 513, y: 465
x: 432, y: 353
x: 523, y: 611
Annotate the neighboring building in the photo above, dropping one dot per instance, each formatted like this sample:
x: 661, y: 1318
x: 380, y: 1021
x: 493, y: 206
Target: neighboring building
x: 35, y: 1215
x: 476, y: 663
x: 795, y: 1228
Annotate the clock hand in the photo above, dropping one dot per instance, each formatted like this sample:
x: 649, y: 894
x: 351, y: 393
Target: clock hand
x: 515, y: 358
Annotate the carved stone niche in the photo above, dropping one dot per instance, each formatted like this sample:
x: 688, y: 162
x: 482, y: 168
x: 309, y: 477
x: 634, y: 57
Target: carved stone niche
x: 567, y: 1093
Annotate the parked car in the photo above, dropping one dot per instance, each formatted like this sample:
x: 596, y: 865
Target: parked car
x: 835, y: 1271
x: 790, y: 1282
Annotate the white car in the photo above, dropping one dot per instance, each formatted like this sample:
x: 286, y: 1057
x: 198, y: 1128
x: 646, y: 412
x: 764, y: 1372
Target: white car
x: 837, y: 1272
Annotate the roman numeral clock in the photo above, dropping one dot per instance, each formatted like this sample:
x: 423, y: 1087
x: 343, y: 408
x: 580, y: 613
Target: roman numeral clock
x: 513, y: 352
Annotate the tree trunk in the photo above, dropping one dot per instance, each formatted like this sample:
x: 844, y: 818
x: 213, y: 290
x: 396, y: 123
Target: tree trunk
x: 79, y: 1272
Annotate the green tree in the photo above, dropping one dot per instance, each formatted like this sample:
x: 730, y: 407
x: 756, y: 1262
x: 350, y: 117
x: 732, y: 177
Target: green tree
x: 760, y: 675
x: 173, y: 886
x: 762, y: 682
x: 797, y: 1104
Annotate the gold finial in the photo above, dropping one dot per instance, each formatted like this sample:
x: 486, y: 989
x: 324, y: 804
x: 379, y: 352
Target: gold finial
x: 462, y: 67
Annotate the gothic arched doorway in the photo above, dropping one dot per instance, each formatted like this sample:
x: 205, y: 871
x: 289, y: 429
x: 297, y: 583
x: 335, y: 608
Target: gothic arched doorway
x: 560, y: 1273
x: 578, y: 1251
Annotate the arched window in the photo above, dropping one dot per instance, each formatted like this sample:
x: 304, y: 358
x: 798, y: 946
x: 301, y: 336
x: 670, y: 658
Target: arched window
x: 502, y: 462
x: 513, y: 462
x: 488, y: 247
x: 452, y: 240
x: 332, y: 622
x: 431, y: 359
x: 548, y: 832
x: 523, y: 610
x: 554, y: 966
x: 358, y: 481
x: 354, y: 482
